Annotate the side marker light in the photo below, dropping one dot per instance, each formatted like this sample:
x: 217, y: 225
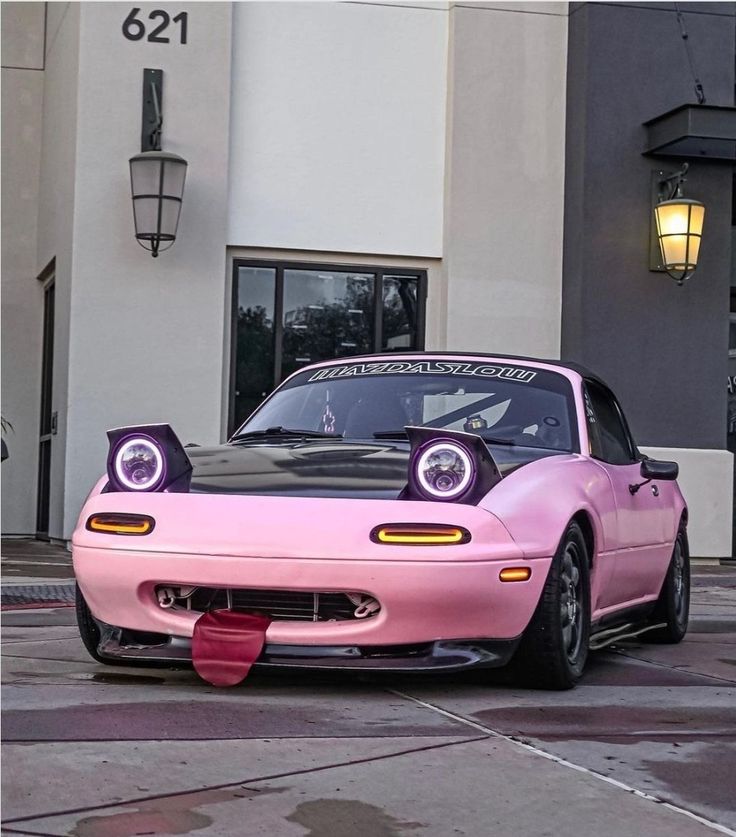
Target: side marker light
x: 121, y: 524
x: 515, y: 574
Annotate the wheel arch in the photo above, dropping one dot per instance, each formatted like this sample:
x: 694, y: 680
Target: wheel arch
x: 537, y: 502
x: 582, y: 518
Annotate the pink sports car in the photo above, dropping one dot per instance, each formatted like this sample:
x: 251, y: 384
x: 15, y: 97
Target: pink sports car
x: 405, y: 512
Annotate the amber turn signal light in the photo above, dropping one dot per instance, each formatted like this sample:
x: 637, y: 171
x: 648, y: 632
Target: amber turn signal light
x: 515, y: 574
x: 419, y: 534
x: 121, y: 524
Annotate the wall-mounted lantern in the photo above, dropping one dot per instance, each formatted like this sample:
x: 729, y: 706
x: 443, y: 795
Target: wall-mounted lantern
x: 156, y: 177
x: 157, y: 183
x: 677, y: 228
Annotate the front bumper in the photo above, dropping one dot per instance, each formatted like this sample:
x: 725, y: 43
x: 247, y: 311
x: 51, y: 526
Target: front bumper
x: 118, y: 644
x: 420, y: 601
x: 427, y: 594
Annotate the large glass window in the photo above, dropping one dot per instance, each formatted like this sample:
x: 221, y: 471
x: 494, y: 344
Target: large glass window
x: 253, y: 332
x: 326, y: 314
x: 400, y: 316
x: 288, y: 315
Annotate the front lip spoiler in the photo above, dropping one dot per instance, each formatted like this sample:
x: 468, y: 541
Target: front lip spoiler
x: 438, y: 655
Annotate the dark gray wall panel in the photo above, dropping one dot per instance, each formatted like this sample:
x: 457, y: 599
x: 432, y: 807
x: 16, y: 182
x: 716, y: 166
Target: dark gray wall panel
x: 662, y: 348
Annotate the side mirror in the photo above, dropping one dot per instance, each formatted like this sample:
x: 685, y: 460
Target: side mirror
x: 658, y: 469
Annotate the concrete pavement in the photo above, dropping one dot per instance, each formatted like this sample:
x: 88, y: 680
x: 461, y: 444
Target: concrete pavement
x: 645, y: 746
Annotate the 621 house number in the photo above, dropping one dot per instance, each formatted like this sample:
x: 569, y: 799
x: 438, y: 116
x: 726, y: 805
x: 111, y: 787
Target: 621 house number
x: 134, y: 29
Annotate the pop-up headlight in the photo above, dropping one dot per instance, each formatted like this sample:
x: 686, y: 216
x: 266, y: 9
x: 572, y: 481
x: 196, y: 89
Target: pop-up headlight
x: 139, y: 464
x: 445, y: 470
x: 448, y: 465
x: 147, y: 458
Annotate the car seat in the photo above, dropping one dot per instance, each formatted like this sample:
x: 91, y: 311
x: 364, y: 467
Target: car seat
x: 371, y: 415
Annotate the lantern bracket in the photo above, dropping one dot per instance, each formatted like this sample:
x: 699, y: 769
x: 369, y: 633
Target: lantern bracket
x: 152, y: 119
x: 670, y: 185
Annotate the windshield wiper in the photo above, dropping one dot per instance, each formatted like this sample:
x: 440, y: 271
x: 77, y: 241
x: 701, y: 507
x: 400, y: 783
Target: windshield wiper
x: 283, y: 432
x: 401, y: 434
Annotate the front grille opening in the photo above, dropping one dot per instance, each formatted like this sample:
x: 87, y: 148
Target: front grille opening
x: 280, y: 605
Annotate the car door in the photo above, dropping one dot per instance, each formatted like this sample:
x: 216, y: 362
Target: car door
x: 638, y: 546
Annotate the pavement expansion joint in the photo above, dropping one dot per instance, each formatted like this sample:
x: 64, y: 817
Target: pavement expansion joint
x: 51, y: 660
x: 524, y: 744
x: 682, y: 668
x: 36, y: 641
x: 240, y: 782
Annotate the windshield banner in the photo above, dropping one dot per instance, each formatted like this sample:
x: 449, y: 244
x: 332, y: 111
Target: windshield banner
x: 426, y: 367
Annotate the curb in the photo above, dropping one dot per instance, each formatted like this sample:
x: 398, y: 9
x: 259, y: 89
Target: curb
x: 26, y: 596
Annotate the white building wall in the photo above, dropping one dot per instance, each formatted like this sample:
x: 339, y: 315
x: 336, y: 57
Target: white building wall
x: 56, y: 219
x: 146, y: 338
x: 706, y: 482
x: 425, y: 135
x: 504, y: 195
x: 338, y: 124
x: 22, y: 27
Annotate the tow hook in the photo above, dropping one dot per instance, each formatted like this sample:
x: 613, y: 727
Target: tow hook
x: 167, y: 596
x: 365, y: 605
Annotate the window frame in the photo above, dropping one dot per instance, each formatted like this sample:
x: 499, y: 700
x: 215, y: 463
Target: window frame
x: 379, y: 272
x: 731, y: 321
x: 634, y: 454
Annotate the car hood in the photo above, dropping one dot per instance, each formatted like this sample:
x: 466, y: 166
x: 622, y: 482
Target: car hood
x: 298, y: 468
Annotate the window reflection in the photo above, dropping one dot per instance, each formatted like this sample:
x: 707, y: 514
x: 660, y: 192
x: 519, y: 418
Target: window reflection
x: 254, y: 350
x: 326, y: 314
x: 287, y: 316
x: 400, y: 297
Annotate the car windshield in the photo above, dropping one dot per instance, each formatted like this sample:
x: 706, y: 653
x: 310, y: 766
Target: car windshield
x: 505, y: 404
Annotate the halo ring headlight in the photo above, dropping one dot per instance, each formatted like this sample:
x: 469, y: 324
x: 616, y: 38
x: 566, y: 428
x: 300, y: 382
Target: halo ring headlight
x: 444, y: 470
x: 139, y: 464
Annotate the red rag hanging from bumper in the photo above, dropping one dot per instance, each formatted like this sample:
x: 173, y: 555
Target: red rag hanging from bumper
x: 226, y: 643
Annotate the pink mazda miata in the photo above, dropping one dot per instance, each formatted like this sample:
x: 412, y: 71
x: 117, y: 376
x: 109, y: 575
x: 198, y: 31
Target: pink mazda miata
x: 425, y: 511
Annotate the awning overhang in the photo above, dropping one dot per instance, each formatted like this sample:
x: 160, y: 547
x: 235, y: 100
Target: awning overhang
x: 703, y: 132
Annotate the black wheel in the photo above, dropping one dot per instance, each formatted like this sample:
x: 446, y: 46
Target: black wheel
x: 88, y: 628
x: 673, y: 605
x: 90, y: 631
x: 554, y: 647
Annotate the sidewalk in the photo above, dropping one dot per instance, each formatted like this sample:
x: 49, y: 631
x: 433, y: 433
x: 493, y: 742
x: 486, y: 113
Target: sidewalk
x: 645, y: 745
x: 28, y: 561
x: 35, y: 574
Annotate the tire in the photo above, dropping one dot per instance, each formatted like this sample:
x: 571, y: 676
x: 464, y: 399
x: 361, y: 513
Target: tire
x: 90, y: 632
x: 88, y: 628
x: 673, y: 604
x: 554, y: 647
